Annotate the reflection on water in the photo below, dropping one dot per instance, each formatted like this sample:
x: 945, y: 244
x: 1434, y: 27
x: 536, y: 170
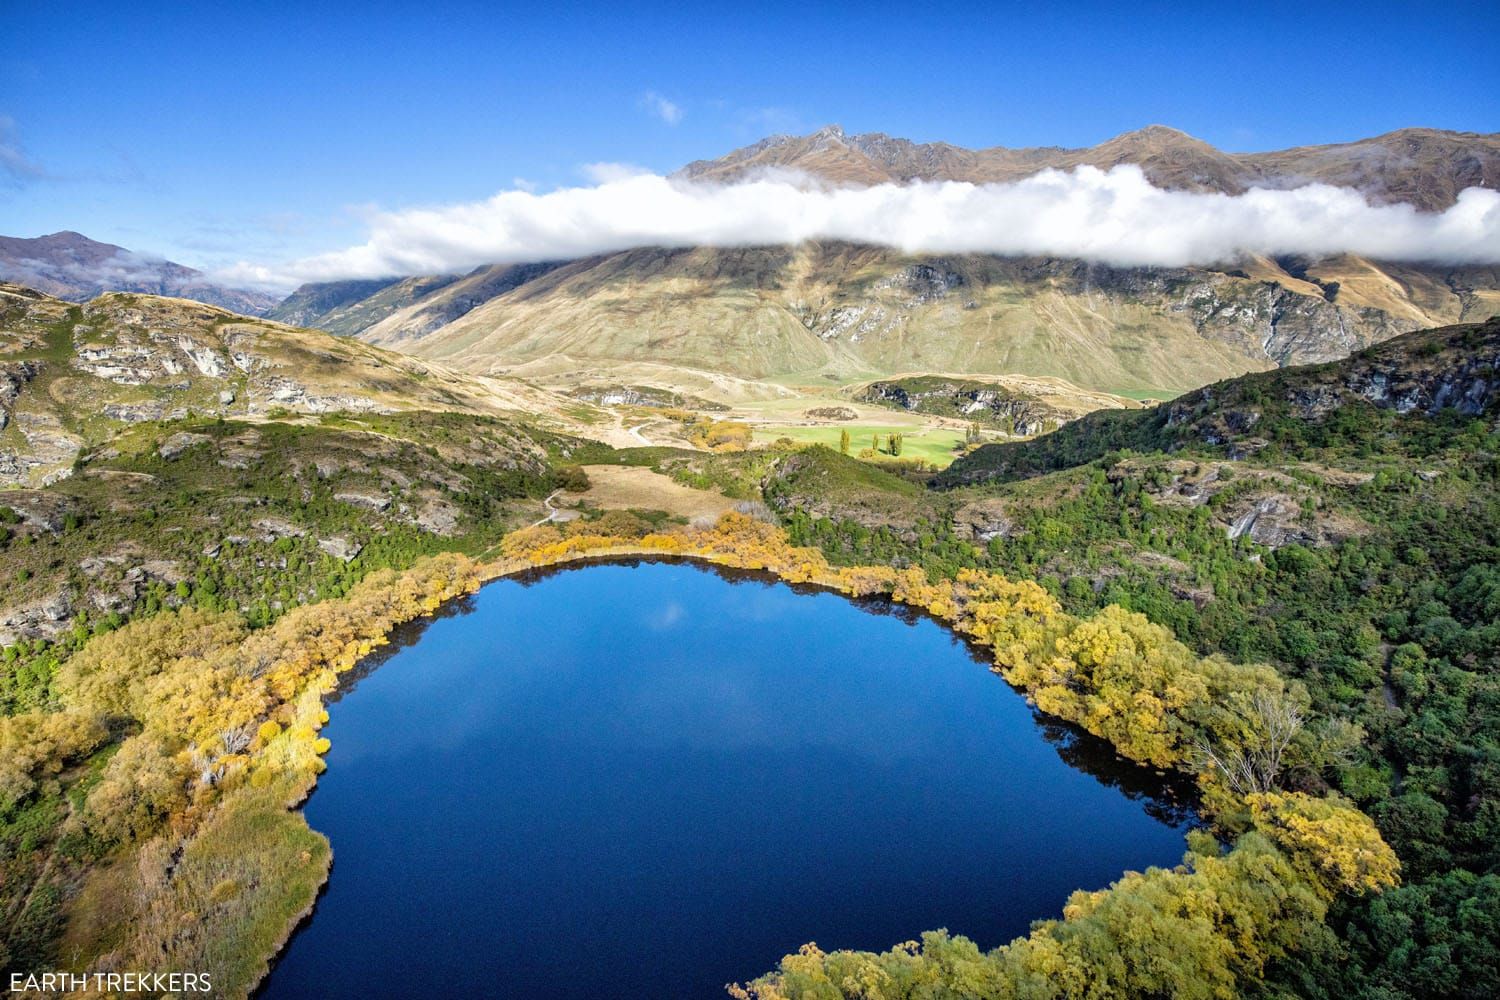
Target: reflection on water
x: 648, y: 779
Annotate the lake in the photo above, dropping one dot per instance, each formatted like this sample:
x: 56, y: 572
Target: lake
x: 651, y: 779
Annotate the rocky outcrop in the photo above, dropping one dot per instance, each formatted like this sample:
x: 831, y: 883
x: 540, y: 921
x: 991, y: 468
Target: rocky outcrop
x: 42, y: 618
x: 340, y: 547
x: 272, y: 528
x: 14, y: 375
x: 990, y: 405
x: 180, y: 442
x: 48, y: 455
x: 1268, y: 506
x: 132, y: 359
x: 279, y: 392
x: 369, y: 501
x: 982, y: 521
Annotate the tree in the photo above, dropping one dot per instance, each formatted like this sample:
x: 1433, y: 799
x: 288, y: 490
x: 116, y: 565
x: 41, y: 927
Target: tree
x: 1254, y: 763
x: 844, y: 441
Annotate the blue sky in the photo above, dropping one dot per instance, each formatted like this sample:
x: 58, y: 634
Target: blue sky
x: 215, y: 133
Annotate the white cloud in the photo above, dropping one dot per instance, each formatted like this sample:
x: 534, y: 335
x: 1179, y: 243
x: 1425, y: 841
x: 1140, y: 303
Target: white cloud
x: 1116, y: 217
x: 666, y: 110
x: 608, y: 173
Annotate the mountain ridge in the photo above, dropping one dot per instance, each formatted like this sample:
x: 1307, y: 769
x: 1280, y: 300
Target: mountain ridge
x: 73, y: 267
x: 1424, y: 167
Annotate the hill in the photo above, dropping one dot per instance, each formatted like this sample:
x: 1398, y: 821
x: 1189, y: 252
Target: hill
x: 73, y: 267
x: 1349, y: 405
x: 73, y: 376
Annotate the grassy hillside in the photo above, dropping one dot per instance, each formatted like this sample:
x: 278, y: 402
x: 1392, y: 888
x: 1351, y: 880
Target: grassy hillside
x: 72, y: 376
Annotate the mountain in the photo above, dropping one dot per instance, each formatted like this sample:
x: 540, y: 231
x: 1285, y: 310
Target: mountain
x: 73, y: 376
x: 325, y: 301
x: 449, y: 299
x: 844, y: 312
x: 832, y: 311
x: 71, y: 266
x: 1420, y: 166
x: 347, y: 307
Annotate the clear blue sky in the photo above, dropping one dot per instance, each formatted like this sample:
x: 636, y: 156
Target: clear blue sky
x: 218, y: 132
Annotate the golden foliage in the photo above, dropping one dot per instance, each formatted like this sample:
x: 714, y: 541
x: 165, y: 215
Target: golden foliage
x: 37, y: 745
x: 1335, y: 843
x: 227, y: 742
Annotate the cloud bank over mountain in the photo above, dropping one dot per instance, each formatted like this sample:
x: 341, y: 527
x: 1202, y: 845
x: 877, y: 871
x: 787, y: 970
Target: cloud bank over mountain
x: 1116, y: 217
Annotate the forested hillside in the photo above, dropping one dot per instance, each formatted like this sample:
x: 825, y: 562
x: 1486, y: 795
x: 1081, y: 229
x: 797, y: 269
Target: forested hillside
x: 1341, y: 522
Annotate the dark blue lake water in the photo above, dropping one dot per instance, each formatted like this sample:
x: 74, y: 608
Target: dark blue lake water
x: 650, y: 780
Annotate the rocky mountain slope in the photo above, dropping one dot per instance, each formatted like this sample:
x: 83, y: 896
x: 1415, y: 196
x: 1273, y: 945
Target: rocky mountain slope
x: 71, y: 266
x: 344, y: 307
x: 845, y: 311
x: 1420, y: 166
x: 73, y: 376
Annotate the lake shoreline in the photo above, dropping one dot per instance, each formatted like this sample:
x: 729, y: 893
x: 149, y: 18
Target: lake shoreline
x: 878, y: 646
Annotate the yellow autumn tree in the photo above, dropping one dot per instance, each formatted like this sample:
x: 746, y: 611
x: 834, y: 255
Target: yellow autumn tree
x: 1330, y: 840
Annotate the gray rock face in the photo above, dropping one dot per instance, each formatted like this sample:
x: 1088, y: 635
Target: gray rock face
x: 292, y: 395
x: 369, y: 501
x: 1271, y: 513
x: 272, y: 528
x: 181, y: 442
x: 990, y: 405
x: 438, y: 517
x: 340, y: 547
x: 45, y: 618
x: 983, y: 521
x: 48, y: 454
x: 136, y: 413
x: 14, y: 375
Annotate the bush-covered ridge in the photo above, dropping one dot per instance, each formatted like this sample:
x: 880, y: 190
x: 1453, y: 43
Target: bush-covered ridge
x: 1373, y: 401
